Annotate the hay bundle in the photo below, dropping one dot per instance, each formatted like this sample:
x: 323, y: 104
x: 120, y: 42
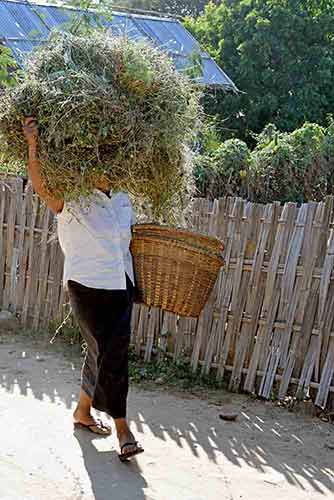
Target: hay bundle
x: 107, y: 107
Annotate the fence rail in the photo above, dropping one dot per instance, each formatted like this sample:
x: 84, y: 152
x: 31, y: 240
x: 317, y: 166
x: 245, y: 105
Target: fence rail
x: 268, y: 324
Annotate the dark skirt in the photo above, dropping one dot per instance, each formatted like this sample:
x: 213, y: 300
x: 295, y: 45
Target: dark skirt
x: 104, y: 318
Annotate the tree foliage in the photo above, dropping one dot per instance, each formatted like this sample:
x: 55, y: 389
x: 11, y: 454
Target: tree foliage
x: 279, y: 54
x: 8, y: 67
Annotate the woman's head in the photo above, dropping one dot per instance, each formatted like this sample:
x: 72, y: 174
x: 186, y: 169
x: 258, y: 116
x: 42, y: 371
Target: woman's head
x: 102, y: 183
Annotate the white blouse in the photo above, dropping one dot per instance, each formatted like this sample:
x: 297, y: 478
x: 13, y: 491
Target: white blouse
x: 95, y: 236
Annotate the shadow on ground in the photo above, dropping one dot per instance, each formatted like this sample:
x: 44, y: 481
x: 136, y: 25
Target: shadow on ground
x: 107, y: 474
x: 264, y: 437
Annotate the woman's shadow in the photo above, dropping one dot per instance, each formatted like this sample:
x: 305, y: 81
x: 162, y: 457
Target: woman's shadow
x: 110, y: 478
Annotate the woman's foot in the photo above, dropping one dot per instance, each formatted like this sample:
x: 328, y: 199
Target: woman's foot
x: 87, y: 421
x: 128, y: 445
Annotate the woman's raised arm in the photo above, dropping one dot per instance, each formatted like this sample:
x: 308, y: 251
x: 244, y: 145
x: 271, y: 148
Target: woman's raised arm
x: 30, y: 131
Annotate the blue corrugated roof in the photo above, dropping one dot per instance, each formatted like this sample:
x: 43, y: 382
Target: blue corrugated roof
x: 21, y: 49
x: 24, y: 25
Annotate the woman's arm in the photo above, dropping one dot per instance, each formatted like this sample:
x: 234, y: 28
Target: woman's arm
x: 34, y: 169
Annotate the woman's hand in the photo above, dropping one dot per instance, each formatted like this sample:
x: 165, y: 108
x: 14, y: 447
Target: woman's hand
x: 30, y: 131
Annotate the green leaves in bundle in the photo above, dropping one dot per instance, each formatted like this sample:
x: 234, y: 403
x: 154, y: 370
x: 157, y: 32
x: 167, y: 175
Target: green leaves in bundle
x: 106, y: 106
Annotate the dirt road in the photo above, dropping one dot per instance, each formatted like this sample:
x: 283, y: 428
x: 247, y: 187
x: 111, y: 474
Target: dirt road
x: 190, y: 453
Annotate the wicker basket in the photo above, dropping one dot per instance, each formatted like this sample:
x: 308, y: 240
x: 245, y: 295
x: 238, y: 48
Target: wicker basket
x: 175, y: 269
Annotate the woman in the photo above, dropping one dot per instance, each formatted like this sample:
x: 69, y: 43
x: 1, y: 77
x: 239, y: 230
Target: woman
x: 95, y: 236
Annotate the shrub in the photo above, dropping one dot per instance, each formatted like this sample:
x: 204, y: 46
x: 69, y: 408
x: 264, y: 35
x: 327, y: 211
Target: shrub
x: 226, y: 171
x: 290, y: 167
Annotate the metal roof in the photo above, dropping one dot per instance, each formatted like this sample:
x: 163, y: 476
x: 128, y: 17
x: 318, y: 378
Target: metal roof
x: 23, y: 25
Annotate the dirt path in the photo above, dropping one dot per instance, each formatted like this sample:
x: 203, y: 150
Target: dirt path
x: 190, y: 453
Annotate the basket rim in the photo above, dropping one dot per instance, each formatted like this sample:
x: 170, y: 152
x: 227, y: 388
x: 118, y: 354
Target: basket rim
x: 177, y: 233
x: 214, y: 255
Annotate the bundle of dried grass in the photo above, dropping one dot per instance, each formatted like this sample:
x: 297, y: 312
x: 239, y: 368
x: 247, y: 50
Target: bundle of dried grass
x: 107, y: 107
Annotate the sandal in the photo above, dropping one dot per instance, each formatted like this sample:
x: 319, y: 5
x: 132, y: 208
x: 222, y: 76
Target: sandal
x: 124, y: 457
x: 98, y: 427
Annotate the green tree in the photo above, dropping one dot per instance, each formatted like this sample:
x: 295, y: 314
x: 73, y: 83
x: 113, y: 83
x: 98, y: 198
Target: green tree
x: 279, y: 54
x: 8, y: 67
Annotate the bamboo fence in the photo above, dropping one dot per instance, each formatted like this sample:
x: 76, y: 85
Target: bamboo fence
x: 268, y: 324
